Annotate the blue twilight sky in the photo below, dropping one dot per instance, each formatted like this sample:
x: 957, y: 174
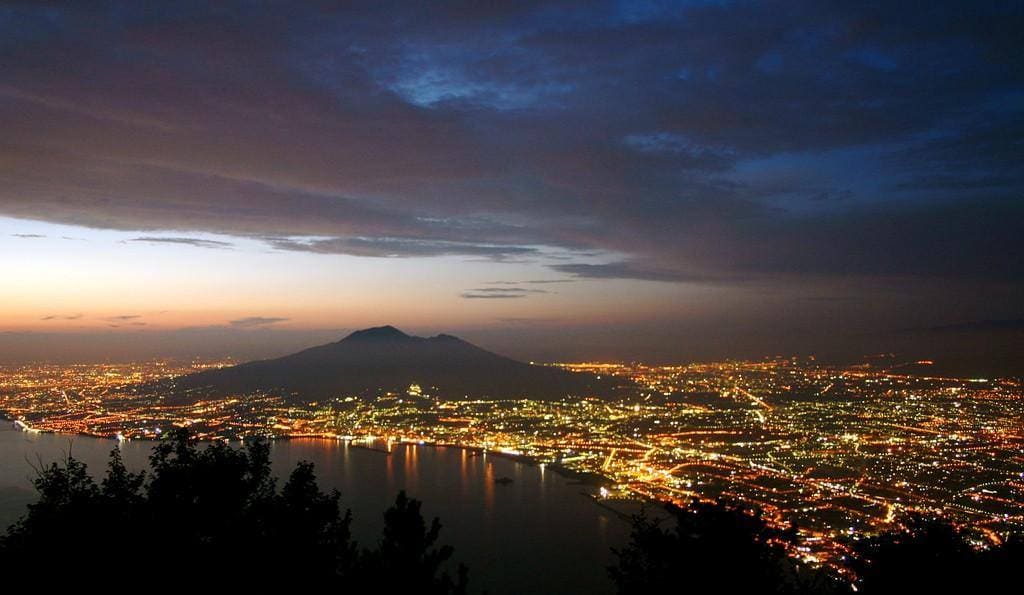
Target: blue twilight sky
x: 664, y: 180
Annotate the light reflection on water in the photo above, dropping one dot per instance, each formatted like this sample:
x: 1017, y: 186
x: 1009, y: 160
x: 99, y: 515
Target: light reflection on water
x: 537, y: 534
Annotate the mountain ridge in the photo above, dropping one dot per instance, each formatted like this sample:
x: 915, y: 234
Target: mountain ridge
x: 381, y: 359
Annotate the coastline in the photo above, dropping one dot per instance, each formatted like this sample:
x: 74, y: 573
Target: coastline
x: 582, y: 478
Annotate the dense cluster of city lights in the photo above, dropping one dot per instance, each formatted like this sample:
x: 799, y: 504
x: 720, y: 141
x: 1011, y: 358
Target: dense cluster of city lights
x: 839, y: 452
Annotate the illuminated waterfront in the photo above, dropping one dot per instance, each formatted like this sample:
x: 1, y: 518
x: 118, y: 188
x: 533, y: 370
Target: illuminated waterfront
x: 841, y: 452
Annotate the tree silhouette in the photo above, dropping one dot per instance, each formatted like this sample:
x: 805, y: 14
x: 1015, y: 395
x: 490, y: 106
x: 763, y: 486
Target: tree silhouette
x: 407, y: 558
x: 931, y: 555
x: 212, y: 517
x: 1001, y: 566
x: 710, y: 548
x: 927, y: 556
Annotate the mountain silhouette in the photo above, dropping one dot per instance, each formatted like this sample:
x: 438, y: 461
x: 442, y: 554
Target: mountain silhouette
x: 380, y: 359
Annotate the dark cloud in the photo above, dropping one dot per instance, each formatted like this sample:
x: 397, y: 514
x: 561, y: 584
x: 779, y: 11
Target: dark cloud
x: 532, y: 282
x: 499, y: 292
x: 1014, y: 325
x: 970, y: 239
x: 255, y: 321
x: 786, y: 139
x: 399, y: 247
x: 62, y: 317
x: 628, y: 270
x: 491, y: 296
x: 197, y: 242
x: 122, y: 318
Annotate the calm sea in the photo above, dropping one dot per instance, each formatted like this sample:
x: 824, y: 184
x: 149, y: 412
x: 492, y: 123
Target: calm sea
x: 538, y: 534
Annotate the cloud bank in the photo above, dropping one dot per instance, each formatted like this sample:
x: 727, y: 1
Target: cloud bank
x: 698, y: 142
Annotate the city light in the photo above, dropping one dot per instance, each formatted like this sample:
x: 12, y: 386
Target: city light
x: 839, y: 452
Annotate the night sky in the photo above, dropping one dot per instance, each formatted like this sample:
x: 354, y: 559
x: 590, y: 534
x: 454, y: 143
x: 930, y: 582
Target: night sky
x: 636, y: 180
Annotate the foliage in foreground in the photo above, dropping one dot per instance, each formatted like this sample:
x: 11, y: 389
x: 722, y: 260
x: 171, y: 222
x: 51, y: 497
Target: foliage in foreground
x: 213, y: 516
x: 709, y: 548
x: 933, y: 557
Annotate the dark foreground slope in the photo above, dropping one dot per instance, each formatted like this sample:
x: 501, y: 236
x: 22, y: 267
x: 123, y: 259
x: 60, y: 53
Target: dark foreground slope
x: 213, y: 516
x: 384, y: 358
